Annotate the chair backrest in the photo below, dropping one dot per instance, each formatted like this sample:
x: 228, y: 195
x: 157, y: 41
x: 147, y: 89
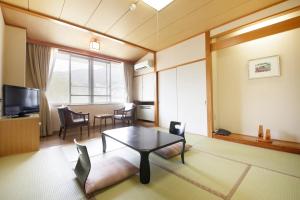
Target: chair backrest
x: 61, y: 114
x: 83, y: 165
x: 177, y: 128
x: 128, y: 106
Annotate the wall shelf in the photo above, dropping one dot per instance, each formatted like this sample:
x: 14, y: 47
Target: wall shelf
x: 279, y: 145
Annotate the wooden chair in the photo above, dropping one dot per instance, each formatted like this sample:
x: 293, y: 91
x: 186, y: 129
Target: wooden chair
x: 102, y: 173
x: 71, y: 119
x: 176, y: 128
x: 127, y: 113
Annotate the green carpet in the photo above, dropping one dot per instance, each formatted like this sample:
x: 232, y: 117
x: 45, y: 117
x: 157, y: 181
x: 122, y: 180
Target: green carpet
x: 264, y: 184
x: 274, y: 160
x: 214, y: 169
x: 163, y: 185
x: 35, y: 176
x: 94, y: 148
x: 209, y: 171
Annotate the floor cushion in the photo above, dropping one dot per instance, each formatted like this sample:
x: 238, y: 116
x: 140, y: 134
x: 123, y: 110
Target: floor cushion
x: 172, y: 150
x: 107, y: 172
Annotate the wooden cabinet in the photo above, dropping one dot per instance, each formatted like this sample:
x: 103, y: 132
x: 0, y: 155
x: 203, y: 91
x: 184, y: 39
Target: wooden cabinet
x: 19, y: 135
x: 144, y: 87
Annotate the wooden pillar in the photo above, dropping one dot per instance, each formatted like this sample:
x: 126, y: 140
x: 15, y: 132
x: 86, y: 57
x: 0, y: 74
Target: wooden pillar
x: 209, y: 85
x: 156, y: 109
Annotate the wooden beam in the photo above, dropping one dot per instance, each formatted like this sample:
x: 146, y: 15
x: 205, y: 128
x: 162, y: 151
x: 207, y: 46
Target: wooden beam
x: 285, y: 12
x: 67, y: 23
x: 156, y: 102
x: 78, y: 51
x: 256, y: 34
x: 209, y: 86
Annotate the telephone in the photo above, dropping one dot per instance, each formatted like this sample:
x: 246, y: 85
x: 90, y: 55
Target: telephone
x: 222, y: 131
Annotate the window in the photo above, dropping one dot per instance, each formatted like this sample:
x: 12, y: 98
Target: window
x: 84, y: 80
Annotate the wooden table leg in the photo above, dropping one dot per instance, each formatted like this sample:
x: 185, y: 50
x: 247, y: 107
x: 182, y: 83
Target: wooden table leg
x: 144, y: 168
x: 94, y: 122
x: 105, y: 121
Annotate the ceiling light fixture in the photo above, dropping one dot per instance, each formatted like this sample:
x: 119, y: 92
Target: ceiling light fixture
x: 95, y: 45
x: 132, y: 7
x: 158, y: 4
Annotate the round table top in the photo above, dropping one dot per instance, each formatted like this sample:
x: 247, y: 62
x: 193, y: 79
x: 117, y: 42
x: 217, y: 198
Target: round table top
x: 103, y: 115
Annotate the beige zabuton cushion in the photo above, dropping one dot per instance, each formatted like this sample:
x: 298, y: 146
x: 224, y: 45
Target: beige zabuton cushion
x: 172, y: 150
x: 108, y: 172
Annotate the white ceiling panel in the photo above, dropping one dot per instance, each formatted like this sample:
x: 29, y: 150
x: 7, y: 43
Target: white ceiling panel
x: 79, y: 11
x: 108, y: 13
x: 48, y: 7
x: 132, y: 20
x: 20, y: 3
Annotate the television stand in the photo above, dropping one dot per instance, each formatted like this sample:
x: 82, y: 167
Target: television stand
x: 19, y: 135
x: 18, y: 116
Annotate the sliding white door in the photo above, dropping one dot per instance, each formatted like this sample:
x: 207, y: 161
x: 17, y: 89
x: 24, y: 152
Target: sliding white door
x: 138, y: 88
x: 191, y: 97
x: 167, y: 97
x: 149, y: 87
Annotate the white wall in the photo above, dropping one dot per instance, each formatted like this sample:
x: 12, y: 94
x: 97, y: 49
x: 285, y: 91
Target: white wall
x: 14, y: 70
x: 182, y: 90
x: 242, y: 104
x: 187, y: 51
x: 2, y: 30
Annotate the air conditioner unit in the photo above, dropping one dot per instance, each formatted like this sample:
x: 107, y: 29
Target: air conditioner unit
x: 143, y: 65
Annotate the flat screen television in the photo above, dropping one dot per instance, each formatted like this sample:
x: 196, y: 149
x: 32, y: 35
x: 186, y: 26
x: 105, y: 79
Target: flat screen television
x: 20, y: 101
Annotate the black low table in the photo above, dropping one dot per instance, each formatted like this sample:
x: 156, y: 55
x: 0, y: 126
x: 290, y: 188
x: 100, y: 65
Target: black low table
x: 144, y: 140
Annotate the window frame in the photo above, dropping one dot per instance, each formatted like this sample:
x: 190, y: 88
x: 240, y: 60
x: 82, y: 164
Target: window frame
x: 91, y: 95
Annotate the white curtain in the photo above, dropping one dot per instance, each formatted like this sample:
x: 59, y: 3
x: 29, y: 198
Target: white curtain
x: 39, y: 62
x: 128, y: 73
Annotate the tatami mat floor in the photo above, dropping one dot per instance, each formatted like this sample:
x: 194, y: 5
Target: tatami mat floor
x: 214, y: 169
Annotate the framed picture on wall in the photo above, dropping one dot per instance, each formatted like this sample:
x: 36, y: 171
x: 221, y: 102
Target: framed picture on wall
x: 264, y: 67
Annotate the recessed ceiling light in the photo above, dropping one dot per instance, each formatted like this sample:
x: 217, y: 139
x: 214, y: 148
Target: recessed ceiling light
x: 158, y: 4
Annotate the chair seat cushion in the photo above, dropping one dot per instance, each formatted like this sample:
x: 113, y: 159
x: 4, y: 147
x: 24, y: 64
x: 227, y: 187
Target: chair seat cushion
x: 80, y: 121
x: 122, y: 116
x: 118, y: 116
x: 172, y: 150
x: 108, y: 172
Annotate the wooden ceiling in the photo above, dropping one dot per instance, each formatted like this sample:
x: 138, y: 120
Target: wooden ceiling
x: 58, y: 33
x: 144, y: 26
